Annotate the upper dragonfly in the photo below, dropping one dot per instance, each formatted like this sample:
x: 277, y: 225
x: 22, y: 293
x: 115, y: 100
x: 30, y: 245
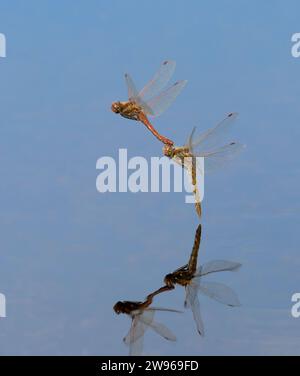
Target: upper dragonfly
x: 142, y: 318
x: 151, y: 100
x: 207, y: 146
x: 190, y: 277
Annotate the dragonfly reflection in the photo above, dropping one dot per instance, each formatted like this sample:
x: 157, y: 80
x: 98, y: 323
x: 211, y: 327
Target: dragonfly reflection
x: 142, y: 318
x: 150, y: 100
x: 207, y: 146
x: 191, y: 278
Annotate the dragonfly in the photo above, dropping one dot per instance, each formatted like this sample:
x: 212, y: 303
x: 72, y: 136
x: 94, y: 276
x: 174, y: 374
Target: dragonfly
x: 142, y: 318
x: 207, y: 146
x: 152, y: 100
x: 190, y: 277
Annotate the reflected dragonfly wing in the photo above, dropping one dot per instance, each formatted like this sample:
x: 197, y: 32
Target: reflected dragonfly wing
x: 135, y: 337
x: 132, y: 91
x: 157, y: 105
x: 217, y: 266
x: 162, y: 309
x: 141, y: 321
x: 192, y: 301
x: 157, y: 327
x: 219, y: 292
x: 136, y: 347
x: 159, y: 81
x: 191, y: 293
x: 213, y: 137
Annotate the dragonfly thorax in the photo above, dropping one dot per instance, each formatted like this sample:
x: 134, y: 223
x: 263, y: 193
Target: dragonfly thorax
x: 127, y: 306
x: 129, y: 109
x: 182, y: 278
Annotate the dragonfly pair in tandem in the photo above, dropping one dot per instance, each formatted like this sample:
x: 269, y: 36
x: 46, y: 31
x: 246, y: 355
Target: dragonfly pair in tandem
x: 188, y: 276
x: 153, y: 100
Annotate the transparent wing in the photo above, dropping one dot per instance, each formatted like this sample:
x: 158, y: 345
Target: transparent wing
x: 219, y: 157
x: 162, y: 309
x: 159, y: 81
x: 132, y: 91
x: 136, y: 347
x: 191, y: 293
x: 137, y: 330
x: 157, y: 327
x: 220, y: 293
x: 217, y: 266
x: 191, y: 301
x: 135, y: 337
x: 157, y: 105
x: 213, y: 137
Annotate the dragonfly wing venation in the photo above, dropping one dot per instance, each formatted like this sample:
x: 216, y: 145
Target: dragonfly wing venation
x: 163, y: 309
x: 191, y: 293
x: 157, y: 105
x: 211, y: 138
x: 136, y: 346
x: 217, y: 266
x: 137, y: 330
x: 131, y: 88
x: 159, y: 328
x: 192, y: 302
x: 134, y: 339
x: 207, y: 145
x: 220, y: 292
x: 218, y: 158
x: 159, y: 81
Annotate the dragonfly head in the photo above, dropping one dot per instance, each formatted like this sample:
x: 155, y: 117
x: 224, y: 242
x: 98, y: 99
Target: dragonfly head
x: 169, y: 280
x: 119, y: 307
x: 116, y: 107
x: 168, y: 151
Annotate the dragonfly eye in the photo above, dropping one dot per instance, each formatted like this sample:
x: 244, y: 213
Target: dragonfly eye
x: 169, y: 280
x: 119, y: 307
x: 168, y: 151
x: 115, y: 107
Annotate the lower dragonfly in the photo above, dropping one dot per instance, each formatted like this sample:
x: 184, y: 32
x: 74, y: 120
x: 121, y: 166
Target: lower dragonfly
x: 151, y: 100
x: 206, y: 146
x: 142, y: 318
x: 191, y: 278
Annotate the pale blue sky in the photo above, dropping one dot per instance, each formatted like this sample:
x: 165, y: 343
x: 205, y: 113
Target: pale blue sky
x: 67, y: 252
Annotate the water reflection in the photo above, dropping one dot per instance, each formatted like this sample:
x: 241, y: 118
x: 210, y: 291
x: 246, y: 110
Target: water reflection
x: 153, y: 101
x: 142, y: 315
x: 191, y: 278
